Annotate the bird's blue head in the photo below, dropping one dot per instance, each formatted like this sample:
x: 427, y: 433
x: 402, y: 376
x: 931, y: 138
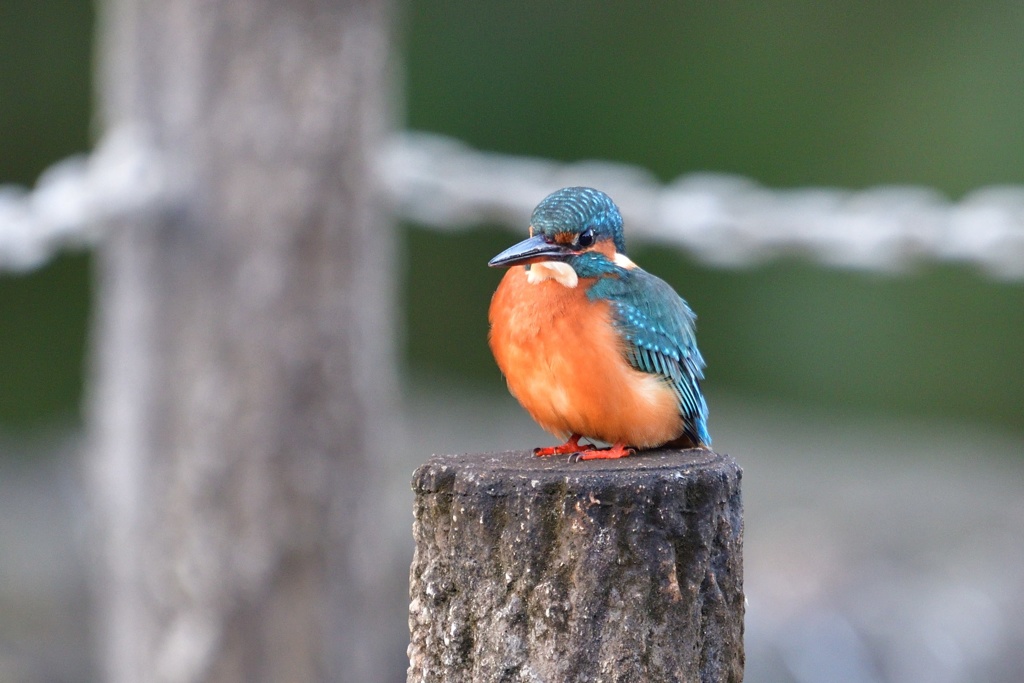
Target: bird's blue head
x: 576, y: 211
x: 569, y: 222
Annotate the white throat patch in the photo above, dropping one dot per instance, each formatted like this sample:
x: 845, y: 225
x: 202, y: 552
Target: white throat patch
x: 560, y: 272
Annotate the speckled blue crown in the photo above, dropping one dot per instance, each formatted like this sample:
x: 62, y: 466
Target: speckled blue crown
x: 574, y: 209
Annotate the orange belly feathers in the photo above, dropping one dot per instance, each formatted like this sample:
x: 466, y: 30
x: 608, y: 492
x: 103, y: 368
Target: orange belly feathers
x: 566, y: 365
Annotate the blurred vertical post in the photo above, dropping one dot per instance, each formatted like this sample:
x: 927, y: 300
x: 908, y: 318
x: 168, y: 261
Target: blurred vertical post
x: 242, y: 347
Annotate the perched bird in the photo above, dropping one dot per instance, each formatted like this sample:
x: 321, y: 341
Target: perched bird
x: 592, y: 345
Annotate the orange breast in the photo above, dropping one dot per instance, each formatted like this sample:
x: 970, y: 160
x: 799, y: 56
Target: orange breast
x: 564, y: 362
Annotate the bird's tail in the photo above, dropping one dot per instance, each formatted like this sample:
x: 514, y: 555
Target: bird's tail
x: 693, y: 436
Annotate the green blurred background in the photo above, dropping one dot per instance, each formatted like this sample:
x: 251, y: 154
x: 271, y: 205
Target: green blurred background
x: 790, y: 93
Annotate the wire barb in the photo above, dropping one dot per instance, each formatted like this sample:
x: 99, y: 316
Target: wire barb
x: 78, y: 198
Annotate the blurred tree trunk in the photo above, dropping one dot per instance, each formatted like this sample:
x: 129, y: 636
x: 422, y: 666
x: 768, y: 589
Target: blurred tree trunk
x: 242, y: 350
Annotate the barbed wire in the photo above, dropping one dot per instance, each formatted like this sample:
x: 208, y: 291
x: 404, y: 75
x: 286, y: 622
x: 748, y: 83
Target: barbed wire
x: 77, y: 198
x: 722, y: 219
x: 442, y: 183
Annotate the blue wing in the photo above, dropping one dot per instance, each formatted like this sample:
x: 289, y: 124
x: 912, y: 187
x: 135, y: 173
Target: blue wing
x: 659, y: 330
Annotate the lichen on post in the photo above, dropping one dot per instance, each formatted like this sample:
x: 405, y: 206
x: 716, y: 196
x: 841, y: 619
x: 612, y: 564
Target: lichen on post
x: 537, y: 569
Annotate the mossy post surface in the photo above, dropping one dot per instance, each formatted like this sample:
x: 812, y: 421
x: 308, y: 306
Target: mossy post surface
x: 537, y: 569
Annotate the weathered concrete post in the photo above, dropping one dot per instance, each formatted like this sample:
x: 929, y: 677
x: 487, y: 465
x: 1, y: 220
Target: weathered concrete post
x: 536, y: 569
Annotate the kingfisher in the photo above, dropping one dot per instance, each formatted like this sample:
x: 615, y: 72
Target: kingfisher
x: 590, y: 344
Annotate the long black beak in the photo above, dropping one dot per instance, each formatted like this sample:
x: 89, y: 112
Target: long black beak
x: 531, y: 250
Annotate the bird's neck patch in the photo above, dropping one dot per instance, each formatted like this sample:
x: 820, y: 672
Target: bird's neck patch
x: 623, y: 261
x: 560, y: 272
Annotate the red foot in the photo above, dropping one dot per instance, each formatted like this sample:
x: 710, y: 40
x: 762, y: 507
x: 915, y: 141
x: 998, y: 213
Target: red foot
x: 619, y: 450
x: 570, y: 446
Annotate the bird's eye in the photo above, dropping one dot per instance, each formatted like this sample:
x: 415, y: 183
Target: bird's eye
x: 585, y: 238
